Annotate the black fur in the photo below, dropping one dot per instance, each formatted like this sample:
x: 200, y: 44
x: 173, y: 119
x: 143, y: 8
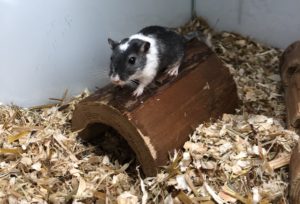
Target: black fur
x: 120, y: 59
x: 170, y: 44
x: 170, y: 47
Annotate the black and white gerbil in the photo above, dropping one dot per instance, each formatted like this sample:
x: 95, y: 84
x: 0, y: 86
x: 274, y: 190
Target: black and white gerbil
x: 141, y: 56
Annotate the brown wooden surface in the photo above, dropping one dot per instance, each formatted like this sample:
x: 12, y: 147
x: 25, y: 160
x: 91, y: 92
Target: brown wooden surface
x: 168, y: 111
x: 295, y: 176
x: 290, y: 73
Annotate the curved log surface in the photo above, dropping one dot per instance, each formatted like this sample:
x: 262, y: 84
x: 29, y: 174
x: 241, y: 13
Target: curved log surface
x: 295, y: 176
x: 163, y: 117
x: 290, y: 74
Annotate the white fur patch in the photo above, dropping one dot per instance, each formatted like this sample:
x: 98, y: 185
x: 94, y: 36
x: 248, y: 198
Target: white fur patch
x: 147, y: 74
x: 152, y: 61
x: 124, y: 46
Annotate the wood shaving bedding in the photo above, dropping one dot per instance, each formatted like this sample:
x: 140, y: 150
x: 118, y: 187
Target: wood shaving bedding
x: 239, y: 158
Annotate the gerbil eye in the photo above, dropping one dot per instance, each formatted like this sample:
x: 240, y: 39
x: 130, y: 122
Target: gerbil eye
x: 131, y: 60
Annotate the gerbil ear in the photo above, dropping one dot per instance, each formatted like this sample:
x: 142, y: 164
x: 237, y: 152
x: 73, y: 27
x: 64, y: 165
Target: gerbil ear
x: 113, y: 44
x: 145, y: 47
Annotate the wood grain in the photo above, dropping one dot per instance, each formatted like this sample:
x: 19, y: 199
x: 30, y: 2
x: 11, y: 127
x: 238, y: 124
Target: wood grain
x: 170, y: 109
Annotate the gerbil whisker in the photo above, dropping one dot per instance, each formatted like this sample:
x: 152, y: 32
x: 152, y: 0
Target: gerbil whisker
x: 132, y: 83
x: 147, y: 88
x: 135, y: 81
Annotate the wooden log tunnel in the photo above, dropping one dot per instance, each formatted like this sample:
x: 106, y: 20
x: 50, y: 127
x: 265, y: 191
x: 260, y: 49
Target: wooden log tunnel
x: 163, y: 117
x: 290, y: 74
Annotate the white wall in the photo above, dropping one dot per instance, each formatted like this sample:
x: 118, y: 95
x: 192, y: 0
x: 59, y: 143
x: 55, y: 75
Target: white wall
x: 47, y: 46
x: 275, y: 22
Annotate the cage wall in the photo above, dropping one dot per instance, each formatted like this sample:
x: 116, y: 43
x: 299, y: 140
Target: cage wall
x: 274, y: 22
x: 52, y: 45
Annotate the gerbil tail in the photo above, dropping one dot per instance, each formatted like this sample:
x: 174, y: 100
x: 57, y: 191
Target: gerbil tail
x: 206, y: 38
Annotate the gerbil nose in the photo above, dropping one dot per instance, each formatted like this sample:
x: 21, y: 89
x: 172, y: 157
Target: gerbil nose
x: 115, y: 79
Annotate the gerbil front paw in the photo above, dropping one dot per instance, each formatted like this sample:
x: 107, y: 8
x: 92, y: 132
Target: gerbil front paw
x: 173, y: 71
x: 139, y: 90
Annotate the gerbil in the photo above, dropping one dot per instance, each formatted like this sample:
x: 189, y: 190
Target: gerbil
x: 141, y: 56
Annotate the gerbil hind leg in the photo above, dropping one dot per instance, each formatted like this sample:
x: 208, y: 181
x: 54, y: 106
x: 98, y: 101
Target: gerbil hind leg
x: 173, y: 69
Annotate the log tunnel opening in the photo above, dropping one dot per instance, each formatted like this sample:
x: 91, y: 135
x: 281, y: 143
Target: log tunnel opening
x: 204, y: 89
x: 107, y: 141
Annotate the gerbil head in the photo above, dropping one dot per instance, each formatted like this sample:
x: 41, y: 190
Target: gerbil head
x: 127, y: 60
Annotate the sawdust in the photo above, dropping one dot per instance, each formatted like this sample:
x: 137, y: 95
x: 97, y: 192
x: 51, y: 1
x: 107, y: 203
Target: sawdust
x: 240, y: 158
